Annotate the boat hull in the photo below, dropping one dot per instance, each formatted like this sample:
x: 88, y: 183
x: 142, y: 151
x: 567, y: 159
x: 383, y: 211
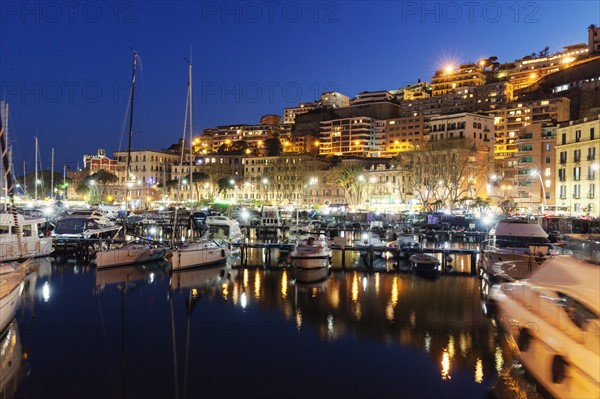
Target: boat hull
x: 10, y: 300
x: 311, y: 275
x: 561, y: 364
x: 198, y: 255
x: 128, y: 256
x: 425, y: 266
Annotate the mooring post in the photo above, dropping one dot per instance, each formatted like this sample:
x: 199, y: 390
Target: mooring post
x: 473, y: 264
x: 343, y: 258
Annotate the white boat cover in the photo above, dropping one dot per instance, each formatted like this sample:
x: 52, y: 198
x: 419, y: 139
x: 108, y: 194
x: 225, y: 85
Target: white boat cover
x: 572, y: 276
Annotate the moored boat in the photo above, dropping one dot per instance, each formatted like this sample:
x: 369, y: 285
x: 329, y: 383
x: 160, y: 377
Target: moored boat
x: 12, y: 283
x: 22, y: 238
x: 224, y: 228
x: 405, y: 246
x: 425, y: 265
x: 199, y: 253
x: 311, y: 254
x: 551, y: 321
x: 519, y: 245
x: 129, y: 253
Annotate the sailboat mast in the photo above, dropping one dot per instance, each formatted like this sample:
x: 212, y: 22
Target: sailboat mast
x: 128, y: 169
x: 36, y: 169
x: 52, y: 175
x: 191, y: 138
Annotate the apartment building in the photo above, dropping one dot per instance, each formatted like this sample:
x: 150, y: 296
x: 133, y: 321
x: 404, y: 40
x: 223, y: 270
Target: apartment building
x: 578, y: 166
x: 403, y: 134
x: 509, y: 118
x: 289, y: 114
x: 466, y: 75
x: 359, y: 136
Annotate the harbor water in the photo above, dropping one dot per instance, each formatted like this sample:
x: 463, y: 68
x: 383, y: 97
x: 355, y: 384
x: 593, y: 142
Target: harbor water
x: 146, y: 332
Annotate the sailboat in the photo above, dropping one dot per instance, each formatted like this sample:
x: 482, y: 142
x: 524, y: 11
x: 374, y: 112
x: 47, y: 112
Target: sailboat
x: 21, y: 236
x: 140, y: 250
x: 201, y: 252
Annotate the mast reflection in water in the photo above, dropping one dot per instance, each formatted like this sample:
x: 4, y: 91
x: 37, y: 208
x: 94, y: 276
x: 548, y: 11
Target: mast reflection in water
x: 146, y: 332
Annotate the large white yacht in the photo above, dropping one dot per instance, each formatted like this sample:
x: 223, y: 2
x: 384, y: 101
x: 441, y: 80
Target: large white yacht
x: 311, y: 258
x: 22, y: 238
x: 224, y: 228
x: 515, y: 249
x: 551, y: 321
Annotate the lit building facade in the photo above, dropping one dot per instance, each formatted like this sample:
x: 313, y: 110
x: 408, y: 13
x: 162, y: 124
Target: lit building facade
x: 476, y: 127
x: 509, y: 118
x: 534, y: 168
x: 283, y: 180
x: 359, y: 136
x: 95, y: 163
x: 446, y: 80
x: 578, y: 166
x: 289, y: 114
x: 404, y: 134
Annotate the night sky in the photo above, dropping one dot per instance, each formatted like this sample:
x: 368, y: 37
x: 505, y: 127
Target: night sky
x: 65, y: 67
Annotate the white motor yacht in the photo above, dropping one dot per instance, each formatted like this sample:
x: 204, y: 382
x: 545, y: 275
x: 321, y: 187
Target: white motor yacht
x: 311, y: 253
x: 515, y: 249
x: 551, y: 321
x: 22, y: 238
x: 405, y: 246
x: 224, y: 228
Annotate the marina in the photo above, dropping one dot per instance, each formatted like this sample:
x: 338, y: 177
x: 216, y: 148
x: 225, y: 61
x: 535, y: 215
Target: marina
x: 191, y: 333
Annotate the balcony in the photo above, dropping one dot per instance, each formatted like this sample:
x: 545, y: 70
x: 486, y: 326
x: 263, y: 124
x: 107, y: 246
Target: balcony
x: 563, y: 196
x: 590, y: 195
x: 576, y: 196
x: 591, y: 157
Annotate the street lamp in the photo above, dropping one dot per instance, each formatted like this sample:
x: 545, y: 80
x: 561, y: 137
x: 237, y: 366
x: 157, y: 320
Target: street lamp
x: 535, y: 173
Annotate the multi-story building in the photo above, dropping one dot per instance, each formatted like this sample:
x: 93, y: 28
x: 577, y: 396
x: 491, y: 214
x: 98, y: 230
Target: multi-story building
x: 95, y: 163
x: 509, y: 118
x: 282, y: 180
x: 416, y: 91
x: 289, y: 114
x: 476, y: 127
x: 533, y: 168
x: 254, y: 135
x: 372, y: 97
x: 361, y: 136
x: 529, y: 70
x: 446, y: 80
x: 404, y: 134
x: 148, y: 168
x: 333, y: 99
x: 578, y: 166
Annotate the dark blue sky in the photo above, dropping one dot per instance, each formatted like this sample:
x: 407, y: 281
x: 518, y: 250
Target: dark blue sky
x: 65, y: 70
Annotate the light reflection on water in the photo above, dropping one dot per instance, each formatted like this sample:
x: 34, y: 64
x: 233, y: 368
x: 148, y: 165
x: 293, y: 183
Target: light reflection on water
x: 377, y: 333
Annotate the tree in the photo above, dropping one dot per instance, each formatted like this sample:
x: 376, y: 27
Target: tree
x: 224, y: 184
x: 354, y: 184
x: 508, y: 206
x: 544, y: 52
x: 274, y: 147
x: 198, y: 179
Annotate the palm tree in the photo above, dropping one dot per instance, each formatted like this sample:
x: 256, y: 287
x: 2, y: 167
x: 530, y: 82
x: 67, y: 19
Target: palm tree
x: 354, y: 184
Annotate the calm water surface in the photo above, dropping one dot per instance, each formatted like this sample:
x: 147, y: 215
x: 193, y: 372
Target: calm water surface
x: 140, y: 332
